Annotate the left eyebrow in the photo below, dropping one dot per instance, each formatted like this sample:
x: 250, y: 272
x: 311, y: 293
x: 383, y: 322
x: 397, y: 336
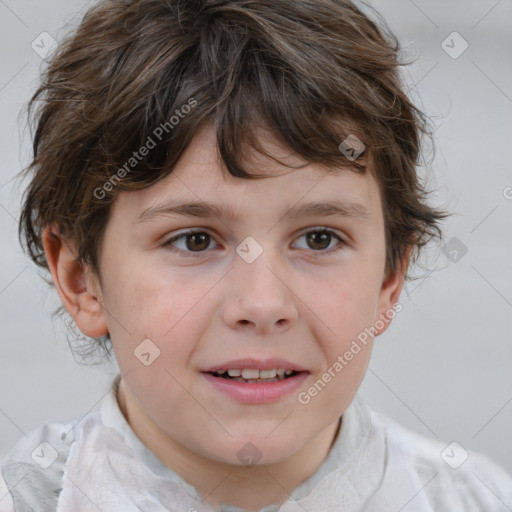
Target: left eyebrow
x: 211, y: 210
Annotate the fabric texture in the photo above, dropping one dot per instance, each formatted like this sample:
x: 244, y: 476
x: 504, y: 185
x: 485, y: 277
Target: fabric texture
x: 375, y: 465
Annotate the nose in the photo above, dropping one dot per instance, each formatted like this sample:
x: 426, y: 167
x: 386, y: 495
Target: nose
x: 259, y: 298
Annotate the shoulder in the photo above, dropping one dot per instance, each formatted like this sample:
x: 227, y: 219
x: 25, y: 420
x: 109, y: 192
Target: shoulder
x: 32, y: 470
x: 454, y: 477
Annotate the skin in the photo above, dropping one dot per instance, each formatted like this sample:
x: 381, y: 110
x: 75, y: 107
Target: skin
x: 292, y: 302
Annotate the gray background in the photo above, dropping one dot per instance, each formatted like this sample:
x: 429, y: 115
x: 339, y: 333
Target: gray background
x: 443, y: 368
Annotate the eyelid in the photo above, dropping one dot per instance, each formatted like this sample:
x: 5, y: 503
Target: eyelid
x: 180, y: 235
x: 319, y: 228
x: 334, y: 232
x: 183, y: 234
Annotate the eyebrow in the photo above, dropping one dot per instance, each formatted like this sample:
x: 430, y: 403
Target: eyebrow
x: 224, y: 211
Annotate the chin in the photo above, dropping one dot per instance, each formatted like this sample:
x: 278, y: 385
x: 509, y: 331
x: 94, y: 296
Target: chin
x: 255, y: 451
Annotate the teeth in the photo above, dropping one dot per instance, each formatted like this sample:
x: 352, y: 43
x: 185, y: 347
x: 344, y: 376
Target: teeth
x: 251, y: 374
x: 267, y: 374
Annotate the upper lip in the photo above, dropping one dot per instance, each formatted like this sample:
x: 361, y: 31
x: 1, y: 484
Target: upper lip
x: 256, y: 364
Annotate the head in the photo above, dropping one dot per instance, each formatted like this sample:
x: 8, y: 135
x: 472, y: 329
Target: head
x: 252, y: 108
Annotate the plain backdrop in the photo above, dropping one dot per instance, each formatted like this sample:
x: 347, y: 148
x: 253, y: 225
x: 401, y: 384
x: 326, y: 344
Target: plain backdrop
x: 443, y: 368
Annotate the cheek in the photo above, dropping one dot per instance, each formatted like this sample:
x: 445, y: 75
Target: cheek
x: 331, y: 393
x: 163, y: 307
x: 346, y: 313
x: 344, y: 303
x: 156, y: 303
x: 345, y: 307
x: 133, y: 293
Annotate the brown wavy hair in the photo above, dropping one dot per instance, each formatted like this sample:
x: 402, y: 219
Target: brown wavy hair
x: 311, y: 72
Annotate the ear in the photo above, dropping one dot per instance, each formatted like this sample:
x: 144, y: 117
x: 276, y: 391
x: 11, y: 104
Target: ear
x: 78, y: 288
x: 390, y: 293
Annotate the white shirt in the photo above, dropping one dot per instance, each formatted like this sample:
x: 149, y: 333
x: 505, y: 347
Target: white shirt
x: 375, y: 465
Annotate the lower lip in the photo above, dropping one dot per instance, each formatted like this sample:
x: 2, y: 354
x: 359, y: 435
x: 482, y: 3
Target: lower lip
x: 257, y: 393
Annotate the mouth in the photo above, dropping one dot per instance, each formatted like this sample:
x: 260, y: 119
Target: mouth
x: 255, y: 376
x: 254, y: 381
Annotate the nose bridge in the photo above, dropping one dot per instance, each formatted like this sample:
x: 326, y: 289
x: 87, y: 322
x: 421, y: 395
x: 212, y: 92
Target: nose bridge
x: 258, y: 292
x: 257, y: 268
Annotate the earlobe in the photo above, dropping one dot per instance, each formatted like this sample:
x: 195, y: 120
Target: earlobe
x: 77, y: 289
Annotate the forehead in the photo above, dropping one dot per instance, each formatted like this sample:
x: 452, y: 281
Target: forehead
x: 200, y: 186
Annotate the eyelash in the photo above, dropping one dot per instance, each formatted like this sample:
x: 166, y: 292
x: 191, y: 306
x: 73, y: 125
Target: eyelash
x: 195, y: 254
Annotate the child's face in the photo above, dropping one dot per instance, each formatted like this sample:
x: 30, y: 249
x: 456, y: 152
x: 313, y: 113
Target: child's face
x: 204, y: 306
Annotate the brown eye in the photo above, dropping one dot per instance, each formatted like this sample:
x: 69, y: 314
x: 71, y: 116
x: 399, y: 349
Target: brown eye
x: 320, y: 240
x: 195, y: 242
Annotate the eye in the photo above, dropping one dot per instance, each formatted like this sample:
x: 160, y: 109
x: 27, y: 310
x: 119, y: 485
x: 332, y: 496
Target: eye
x: 194, y: 243
x: 320, y: 238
